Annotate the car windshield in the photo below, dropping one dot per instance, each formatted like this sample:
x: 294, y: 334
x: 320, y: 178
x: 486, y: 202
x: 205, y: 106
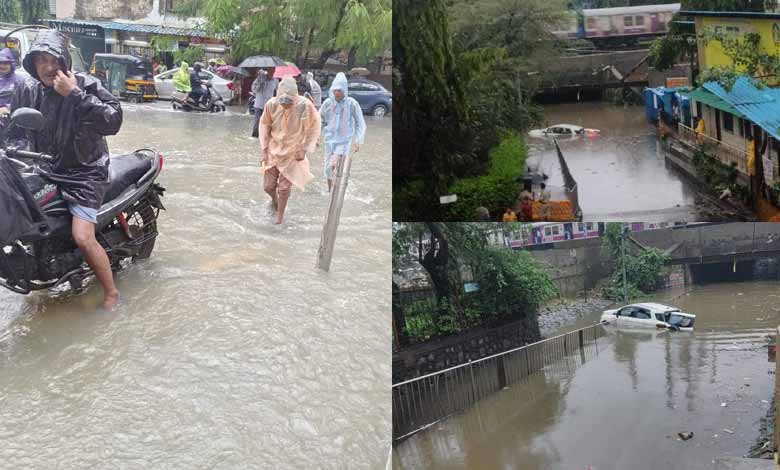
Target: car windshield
x: 679, y: 320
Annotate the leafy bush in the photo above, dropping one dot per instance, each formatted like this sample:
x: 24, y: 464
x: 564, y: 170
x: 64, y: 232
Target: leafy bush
x: 718, y: 175
x: 645, y: 272
x: 511, y: 283
x: 496, y: 190
x: 425, y: 319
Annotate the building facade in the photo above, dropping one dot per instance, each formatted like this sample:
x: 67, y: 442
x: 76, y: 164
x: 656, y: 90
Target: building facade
x: 144, y: 28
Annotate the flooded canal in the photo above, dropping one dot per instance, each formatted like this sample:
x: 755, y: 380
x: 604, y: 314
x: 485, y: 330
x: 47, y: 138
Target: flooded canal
x: 230, y: 349
x: 624, y: 407
x: 621, y: 173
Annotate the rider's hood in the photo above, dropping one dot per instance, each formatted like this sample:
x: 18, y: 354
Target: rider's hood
x: 51, y: 42
x: 340, y: 83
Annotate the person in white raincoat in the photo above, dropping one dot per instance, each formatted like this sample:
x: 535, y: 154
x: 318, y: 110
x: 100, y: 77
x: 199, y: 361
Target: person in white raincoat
x: 342, y: 125
x: 289, y: 129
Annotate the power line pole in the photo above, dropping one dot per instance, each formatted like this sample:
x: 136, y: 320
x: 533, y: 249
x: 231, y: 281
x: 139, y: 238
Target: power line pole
x: 623, y: 261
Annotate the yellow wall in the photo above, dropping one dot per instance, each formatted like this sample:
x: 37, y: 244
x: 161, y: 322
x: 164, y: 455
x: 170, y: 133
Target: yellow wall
x: 713, y: 55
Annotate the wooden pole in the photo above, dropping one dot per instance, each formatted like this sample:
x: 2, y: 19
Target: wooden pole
x: 339, y: 189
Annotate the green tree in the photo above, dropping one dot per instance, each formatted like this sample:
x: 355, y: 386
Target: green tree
x: 190, y: 55
x: 511, y: 283
x: 644, y: 271
x: 296, y: 27
x: 33, y: 11
x: 680, y: 41
x: 431, y: 136
x: 10, y: 11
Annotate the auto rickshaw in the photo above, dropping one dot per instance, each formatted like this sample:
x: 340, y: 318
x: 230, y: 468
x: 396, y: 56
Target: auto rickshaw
x: 125, y: 76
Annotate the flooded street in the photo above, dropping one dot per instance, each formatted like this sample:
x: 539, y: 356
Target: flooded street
x: 230, y: 349
x: 621, y: 174
x: 624, y: 407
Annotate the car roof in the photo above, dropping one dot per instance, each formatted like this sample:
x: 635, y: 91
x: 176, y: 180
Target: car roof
x: 365, y: 80
x: 654, y: 306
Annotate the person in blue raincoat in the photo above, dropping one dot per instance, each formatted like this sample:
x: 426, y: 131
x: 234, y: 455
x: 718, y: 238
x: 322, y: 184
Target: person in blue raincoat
x: 343, y: 125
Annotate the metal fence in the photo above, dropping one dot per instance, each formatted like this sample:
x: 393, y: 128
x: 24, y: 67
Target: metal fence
x: 420, y: 402
x: 724, y: 152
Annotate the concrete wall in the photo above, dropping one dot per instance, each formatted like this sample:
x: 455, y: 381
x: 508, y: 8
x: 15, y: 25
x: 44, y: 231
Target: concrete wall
x: 436, y: 355
x: 714, y: 240
x: 109, y: 9
x: 576, y: 265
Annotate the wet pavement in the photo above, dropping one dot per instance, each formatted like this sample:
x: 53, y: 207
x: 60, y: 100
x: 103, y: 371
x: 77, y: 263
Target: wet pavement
x: 625, y: 407
x: 621, y: 173
x: 230, y: 349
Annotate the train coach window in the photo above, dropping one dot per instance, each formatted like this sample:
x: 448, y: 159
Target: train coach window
x: 628, y: 20
x: 590, y: 23
x: 639, y: 20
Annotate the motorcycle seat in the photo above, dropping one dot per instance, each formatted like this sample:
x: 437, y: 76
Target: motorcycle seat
x: 123, y: 171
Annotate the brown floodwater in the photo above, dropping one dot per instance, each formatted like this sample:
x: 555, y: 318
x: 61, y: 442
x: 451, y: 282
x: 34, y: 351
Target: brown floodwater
x: 230, y: 350
x: 621, y: 173
x: 624, y: 407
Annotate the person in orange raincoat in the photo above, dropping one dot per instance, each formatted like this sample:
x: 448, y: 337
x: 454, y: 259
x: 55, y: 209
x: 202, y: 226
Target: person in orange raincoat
x: 289, y: 129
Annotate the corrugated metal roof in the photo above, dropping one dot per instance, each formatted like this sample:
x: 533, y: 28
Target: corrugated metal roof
x: 760, y: 105
x: 137, y: 28
x: 703, y: 96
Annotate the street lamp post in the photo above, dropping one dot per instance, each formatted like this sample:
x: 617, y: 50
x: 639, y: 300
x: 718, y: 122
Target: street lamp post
x: 623, y: 261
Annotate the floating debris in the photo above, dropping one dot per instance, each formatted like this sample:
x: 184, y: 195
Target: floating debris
x: 685, y: 435
x: 728, y: 431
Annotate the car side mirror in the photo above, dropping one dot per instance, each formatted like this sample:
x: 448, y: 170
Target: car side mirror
x: 27, y: 118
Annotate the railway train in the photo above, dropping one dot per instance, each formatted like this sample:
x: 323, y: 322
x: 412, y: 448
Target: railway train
x: 621, y: 25
x: 543, y: 235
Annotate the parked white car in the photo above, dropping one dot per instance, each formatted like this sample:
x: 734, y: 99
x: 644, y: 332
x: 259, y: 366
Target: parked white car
x: 649, y: 315
x: 562, y: 130
x: 164, y: 84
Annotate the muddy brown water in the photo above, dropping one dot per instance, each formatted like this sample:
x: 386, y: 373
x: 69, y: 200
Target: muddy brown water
x: 621, y: 173
x: 230, y: 349
x: 624, y: 407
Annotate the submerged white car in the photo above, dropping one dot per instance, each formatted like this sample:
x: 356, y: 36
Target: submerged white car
x: 649, y: 315
x: 563, y: 130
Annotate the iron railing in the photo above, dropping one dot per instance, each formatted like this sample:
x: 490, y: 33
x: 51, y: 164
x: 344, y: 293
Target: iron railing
x: 725, y: 153
x: 420, y: 402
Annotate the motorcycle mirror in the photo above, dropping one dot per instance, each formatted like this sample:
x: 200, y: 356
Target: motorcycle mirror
x: 27, y: 118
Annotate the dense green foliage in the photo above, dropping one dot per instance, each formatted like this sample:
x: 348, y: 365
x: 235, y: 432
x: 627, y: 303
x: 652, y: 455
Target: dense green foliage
x: 189, y: 55
x: 498, y: 188
x: 718, y: 175
x: 297, y: 28
x: 461, y: 77
x: 746, y: 57
x: 680, y: 41
x: 511, y: 283
x: 644, y: 271
x: 23, y: 11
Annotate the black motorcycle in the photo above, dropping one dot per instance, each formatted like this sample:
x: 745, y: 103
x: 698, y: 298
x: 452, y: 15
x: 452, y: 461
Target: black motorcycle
x: 37, y: 250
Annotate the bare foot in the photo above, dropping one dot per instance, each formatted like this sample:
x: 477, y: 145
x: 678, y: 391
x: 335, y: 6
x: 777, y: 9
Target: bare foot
x: 278, y: 221
x: 111, y: 300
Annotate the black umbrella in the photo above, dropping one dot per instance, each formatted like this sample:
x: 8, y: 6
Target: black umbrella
x: 262, y: 61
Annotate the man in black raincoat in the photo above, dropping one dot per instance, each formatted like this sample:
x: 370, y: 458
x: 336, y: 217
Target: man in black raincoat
x: 78, y: 114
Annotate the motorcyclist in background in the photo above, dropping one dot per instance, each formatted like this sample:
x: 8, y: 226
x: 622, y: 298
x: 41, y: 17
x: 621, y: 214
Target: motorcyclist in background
x: 9, y: 81
x: 200, y: 92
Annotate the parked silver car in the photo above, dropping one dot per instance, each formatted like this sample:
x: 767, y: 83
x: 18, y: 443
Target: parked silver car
x: 164, y: 84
